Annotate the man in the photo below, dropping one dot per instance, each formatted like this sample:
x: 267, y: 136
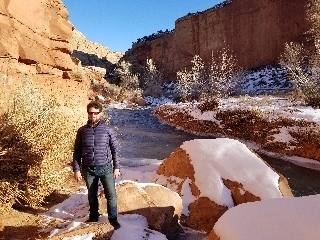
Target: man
x: 95, y: 153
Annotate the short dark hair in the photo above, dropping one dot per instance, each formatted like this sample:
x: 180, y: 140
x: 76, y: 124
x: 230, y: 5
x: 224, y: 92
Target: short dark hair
x: 94, y: 104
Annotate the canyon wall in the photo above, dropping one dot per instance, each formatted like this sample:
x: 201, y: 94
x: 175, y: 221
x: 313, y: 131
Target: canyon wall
x: 91, y: 53
x: 255, y: 31
x: 34, y: 37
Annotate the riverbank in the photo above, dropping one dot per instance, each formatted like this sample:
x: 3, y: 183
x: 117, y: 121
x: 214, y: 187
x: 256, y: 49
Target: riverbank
x: 143, y: 141
x: 267, y: 124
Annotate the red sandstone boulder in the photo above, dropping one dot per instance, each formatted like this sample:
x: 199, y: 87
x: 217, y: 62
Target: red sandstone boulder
x: 212, y: 175
x: 161, y: 206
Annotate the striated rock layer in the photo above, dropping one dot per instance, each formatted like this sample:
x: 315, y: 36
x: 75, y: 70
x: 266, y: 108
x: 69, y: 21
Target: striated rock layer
x: 255, y: 31
x: 34, y: 37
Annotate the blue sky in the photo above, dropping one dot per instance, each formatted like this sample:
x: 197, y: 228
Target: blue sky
x: 116, y: 24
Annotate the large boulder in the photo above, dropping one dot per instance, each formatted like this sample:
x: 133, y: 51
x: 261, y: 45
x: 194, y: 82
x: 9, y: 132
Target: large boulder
x: 285, y: 219
x: 34, y: 37
x: 159, y: 205
x: 213, y: 175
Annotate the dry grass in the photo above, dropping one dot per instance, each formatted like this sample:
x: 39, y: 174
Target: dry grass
x: 111, y: 92
x: 250, y: 125
x: 39, y: 117
x: 36, y: 135
x: 209, y: 105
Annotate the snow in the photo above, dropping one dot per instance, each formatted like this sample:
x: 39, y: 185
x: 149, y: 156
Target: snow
x: 287, y: 218
x: 270, y: 107
x: 73, y: 212
x: 213, y: 160
x: 187, y: 196
x: 271, y: 218
x: 240, y: 165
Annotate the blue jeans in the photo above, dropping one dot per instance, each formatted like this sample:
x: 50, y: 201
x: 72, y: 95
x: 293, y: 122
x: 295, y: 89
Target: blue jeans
x: 91, y: 175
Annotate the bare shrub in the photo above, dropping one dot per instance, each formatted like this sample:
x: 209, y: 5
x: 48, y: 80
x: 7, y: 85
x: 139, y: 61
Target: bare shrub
x: 38, y: 133
x: 314, y: 17
x: 9, y: 193
x: 6, y: 85
x: 302, y: 63
x: 224, y: 75
x: 190, y: 83
x: 128, y: 80
x: 78, y: 73
x: 151, y: 80
x: 220, y: 79
x: 109, y: 92
x: 208, y: 105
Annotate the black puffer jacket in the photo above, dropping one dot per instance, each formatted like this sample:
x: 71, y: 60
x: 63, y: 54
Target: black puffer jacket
x: 95, y: 146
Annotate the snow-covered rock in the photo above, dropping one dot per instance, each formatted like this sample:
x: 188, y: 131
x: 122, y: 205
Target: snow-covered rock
x: 213, y: 175
x: 158, y: 204
x: 285, y: 219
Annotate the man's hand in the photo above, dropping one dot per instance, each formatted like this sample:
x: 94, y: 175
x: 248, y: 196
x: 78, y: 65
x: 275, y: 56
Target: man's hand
x: 77, y: 176
x: 116, y: 173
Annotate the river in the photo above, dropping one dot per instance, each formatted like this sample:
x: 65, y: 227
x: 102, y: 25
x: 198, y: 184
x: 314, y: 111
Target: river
x: 142, y: 136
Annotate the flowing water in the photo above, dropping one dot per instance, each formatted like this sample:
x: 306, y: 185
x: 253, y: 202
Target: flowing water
x: 142, y: 136
x: 144, y: 140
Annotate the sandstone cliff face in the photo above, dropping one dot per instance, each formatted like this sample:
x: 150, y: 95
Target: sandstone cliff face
x: 255, y: 31
x: 34, y: 37
x: 91, y: 53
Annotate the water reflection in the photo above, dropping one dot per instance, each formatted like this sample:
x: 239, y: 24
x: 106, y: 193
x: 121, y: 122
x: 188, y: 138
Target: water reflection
x: 303, y: 181
x: 142, y: 136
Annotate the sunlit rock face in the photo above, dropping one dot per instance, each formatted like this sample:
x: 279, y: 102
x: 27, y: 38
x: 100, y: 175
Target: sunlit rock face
x: 213, y: 175
x: 159, y: 205
x: 91, y: 53
x: 34, y: 37
x: 254, y: 31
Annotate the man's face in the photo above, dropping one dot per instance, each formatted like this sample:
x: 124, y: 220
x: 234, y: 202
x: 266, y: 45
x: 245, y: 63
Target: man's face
x: 94, y: 115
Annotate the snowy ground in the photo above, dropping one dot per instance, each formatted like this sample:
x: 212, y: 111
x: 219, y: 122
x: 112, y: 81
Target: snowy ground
x: 294, y: 218
x: 273, y: 214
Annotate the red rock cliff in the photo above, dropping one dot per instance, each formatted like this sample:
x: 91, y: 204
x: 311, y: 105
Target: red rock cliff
x: 255, y: 31
x: 34, y: 37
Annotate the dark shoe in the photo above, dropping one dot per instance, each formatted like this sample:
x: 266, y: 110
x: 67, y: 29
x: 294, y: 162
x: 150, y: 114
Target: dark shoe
x: 115, y: 224
x: 92, y: 219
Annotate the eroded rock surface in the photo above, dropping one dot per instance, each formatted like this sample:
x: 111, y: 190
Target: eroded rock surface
x: 159, y: 205
x: 254, y: 31
x: 34, y: 37
x: 91, y: 53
